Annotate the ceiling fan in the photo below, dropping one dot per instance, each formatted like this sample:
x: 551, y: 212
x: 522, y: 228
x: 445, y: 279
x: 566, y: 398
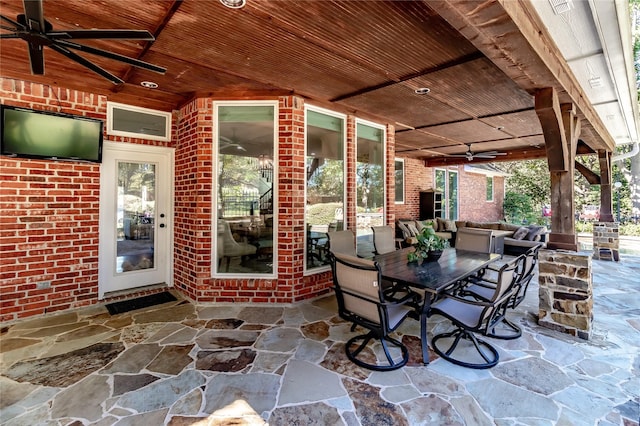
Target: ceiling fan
x: 470, y: 155
x: 38, y: 33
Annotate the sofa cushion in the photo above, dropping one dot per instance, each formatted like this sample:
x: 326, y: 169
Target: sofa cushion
x: 535, y: 232
x: 521, y: 233
x: 479, y: 225
x: 421, y: 224
x: 509, y: 227
x: 413, y: 229
x: 450, y: 226
x: 402, y: 225
x: 460, y: 223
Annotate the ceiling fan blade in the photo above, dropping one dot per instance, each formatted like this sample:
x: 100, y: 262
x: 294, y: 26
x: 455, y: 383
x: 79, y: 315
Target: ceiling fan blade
x: 480, y: 155
x: 2, y: 36
x: 105, y: 34
x: 36, y: 58
x: 115, y: 56
x: 16, y: 24
x: 82, y: 61
x: 34, y: 15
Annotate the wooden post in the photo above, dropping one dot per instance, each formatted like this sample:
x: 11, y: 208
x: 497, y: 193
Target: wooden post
x: 561, y: 129
x: 606, y: 205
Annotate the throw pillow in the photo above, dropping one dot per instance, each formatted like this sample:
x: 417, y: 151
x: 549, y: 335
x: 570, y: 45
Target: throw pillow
x: 522, y: 232
x: 405, y: 231
x: 421, y: 224
x: 441, y: 225
x: 413, y: 229
x: 534, y: 232
x: 450, y: 226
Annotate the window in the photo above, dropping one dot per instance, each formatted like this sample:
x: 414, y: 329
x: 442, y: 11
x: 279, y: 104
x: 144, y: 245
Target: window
x: 446, y: 181
x: 136, y: 122
x: 399, y: 177
x: 325, y: 171
x: 489, y: 188
x: 244, y: 188
x: 369, y: 180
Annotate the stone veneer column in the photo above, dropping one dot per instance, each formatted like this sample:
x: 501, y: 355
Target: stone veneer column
x: 566, y: 292
x: 606, y: 241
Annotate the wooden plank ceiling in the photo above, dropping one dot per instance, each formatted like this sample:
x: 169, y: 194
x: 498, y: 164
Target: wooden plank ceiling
x: 362, y: 57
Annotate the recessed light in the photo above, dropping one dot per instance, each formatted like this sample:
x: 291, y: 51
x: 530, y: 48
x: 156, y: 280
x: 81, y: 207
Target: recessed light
x: 422, y: 90
x: 500, y: 128
x: 149, y: 84
x: 234, y: 4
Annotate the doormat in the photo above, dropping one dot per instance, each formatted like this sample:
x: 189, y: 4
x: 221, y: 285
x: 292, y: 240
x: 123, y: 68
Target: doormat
x: 140, y: 302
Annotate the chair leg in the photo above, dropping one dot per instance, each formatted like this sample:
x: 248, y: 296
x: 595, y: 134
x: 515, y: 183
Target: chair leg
x: 513, y: 330
x: 488, y: 353
x: 366, y: 338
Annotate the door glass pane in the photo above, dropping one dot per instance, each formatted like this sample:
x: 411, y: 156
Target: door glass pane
x: 136, y: 216
x: 245, y: 183
x: 369, y: 182
x: 452, y: 196
x: 325, y: 184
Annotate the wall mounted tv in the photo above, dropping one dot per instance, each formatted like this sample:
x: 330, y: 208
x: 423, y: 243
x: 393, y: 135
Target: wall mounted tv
x: 43, y: 134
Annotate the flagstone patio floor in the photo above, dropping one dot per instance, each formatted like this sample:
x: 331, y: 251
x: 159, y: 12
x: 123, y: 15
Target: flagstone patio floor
x: 186, y: 364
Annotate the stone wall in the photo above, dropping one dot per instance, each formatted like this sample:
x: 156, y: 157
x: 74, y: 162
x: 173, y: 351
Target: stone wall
x: 606, y: 241
x: 566, y: 292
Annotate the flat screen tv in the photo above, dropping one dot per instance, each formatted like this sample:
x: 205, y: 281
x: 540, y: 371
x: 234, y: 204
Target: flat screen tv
x: 49, y: 135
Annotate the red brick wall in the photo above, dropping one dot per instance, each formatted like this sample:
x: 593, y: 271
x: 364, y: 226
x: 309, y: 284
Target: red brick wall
x: 472, y: 199
x: 49, y: 214
x: 417, y: 178
x: 472, y: 188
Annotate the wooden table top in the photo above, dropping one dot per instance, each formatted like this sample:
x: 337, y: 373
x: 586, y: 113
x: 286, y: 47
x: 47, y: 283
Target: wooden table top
x: 454, y: 265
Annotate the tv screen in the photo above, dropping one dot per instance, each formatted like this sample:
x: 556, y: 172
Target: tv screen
x: 42, y: 134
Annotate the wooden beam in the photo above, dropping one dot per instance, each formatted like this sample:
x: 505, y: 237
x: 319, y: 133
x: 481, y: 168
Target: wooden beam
x: 512, y: 155
x: 606, y: 206
x: 549, y: 113
x: 591, y: 177
x: 512, y: 35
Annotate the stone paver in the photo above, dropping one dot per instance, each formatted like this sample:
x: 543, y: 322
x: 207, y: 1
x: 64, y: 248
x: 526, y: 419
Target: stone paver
x: 178, y: 364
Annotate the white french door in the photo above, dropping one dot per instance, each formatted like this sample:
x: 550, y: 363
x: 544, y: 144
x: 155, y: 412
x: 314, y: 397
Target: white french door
x: 136, y: 217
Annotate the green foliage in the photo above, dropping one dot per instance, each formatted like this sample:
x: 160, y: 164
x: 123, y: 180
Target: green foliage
x: 584, y: 226
x: 519, y: 208
x: 427, y: 241
x: 322, y: 214
x: 630, y: 229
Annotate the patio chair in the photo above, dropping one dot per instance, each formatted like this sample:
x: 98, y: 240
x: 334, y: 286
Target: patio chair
x: 483, y: 288
x: 343, y: 242
x: 473, y: 239
x: 362, y: 302
x: 383, y: 239
x: 470, y: 316
x: 232, y: 248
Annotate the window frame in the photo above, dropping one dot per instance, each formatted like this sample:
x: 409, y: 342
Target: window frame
x: 344, y: 118
x: 214, y: 195
x: 490, y: 185
x: 446, y: 197
x: 397, y: 161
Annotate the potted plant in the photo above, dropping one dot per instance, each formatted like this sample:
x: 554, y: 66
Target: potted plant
x: 429, y: 246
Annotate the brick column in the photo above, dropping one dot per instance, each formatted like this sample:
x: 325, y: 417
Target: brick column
x: 566, y: 292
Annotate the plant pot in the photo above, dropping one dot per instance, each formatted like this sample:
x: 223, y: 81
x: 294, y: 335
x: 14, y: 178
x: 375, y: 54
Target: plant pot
x: 433, y: 255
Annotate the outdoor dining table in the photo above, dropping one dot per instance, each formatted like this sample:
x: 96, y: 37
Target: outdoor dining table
x: 432, y: 277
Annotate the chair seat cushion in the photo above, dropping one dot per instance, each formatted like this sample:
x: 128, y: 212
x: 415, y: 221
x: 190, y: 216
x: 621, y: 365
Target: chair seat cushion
x: 397, y: 313
x: 463, y: 313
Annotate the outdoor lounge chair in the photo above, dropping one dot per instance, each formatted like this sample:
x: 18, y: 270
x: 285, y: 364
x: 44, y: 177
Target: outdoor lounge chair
x: 470, y: 316
x: 362, y: 302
